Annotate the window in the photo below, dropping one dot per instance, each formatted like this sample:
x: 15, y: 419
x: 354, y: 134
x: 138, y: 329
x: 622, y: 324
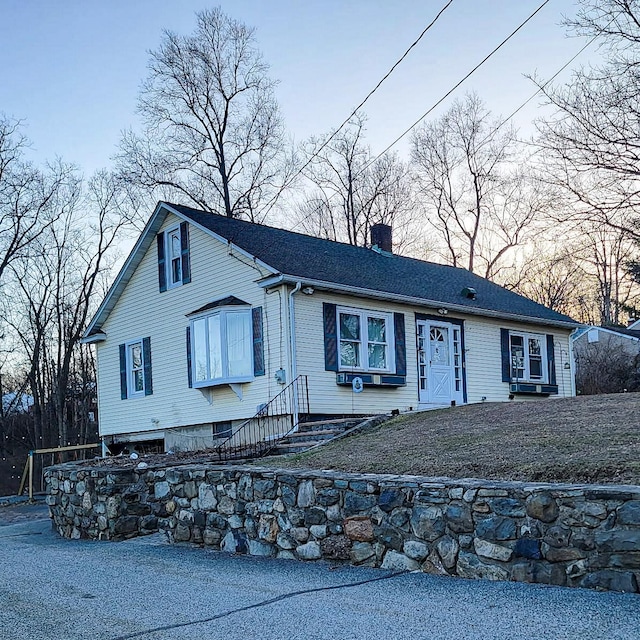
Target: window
x: 135, y: 369
x: 365, y: 340
x: 527, y: 357
x: 222, y: 346
x: 175, y: 257
x: 174, y: 267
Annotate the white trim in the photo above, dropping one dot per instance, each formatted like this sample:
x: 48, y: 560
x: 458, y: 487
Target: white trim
x: 168, y: 267
x: 96, y: 337
x: 222, y: 312
x: 364, y: 314
x: 544, y: 357
x: 131, y: 391
x: 411, y: 300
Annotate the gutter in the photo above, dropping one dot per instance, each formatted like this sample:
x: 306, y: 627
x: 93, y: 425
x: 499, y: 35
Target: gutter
x: 413, y: 300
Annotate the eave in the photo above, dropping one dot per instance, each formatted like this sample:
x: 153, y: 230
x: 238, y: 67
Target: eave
x: 282, y: 278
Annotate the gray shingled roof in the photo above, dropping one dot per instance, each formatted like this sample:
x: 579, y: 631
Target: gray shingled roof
x: 304, y: 256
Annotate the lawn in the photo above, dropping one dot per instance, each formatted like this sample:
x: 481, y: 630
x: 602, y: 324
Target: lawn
x: 591, y: 439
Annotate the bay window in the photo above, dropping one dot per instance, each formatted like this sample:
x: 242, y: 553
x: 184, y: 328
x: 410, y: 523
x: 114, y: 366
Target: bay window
x: 222, y: 348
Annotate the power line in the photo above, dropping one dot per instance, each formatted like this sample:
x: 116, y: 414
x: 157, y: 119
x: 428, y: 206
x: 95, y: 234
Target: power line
x: 288, y: 182
x: 446, y: 95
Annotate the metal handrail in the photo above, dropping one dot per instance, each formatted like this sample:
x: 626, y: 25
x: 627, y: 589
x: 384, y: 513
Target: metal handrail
x: 273, y: 422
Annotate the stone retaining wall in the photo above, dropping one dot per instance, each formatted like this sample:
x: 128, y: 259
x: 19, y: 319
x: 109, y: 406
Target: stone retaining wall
x: 574, y: 535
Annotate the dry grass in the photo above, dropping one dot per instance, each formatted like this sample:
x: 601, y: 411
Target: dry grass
x: 593, y: 439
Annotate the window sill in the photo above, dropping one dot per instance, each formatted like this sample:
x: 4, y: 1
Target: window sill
x: 221, y: 381
x: 533, y: 388
x: 372, y: 379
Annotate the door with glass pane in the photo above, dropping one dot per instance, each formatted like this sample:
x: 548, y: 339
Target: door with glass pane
x: 439, y: 362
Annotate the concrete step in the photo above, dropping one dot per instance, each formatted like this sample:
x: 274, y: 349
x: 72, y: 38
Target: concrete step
x: 313, y: 435
x: 293, y: 447
x: 319, y: 425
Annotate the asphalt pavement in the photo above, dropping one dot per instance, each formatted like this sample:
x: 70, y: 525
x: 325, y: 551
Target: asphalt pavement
x: 145, y: 588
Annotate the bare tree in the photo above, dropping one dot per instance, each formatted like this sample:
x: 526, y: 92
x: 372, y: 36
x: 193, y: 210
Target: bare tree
x: 55, y: 287
x: 591, y: 145
x: 213, y: 134
x: 350, y: 192
x: 30, y: 198
x: 480, y: 203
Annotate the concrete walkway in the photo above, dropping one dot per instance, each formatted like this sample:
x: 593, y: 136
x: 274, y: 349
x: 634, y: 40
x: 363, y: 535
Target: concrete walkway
x: 144, y: 588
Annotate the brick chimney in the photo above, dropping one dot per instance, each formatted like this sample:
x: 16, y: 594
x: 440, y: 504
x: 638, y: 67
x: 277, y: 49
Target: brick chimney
x: 381, y: 237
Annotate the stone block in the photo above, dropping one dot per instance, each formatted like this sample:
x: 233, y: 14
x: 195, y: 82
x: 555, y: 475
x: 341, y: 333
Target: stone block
x: 561, y: 554
x: 459, y: 518
x: 359, y: 528
x: 301, y: 534
x: 361, y: 551
x: 611, y: 580
x: 207, y: 500
x: 265, y: 489
x: 309, y: 551
x: 507, y: 507
x: 288, y: 496
x: 618, y: 540
x: 182, y: 532
x: 306, y: 494
x: 542, y: 506
x: 448, y: 549
x: 161, y: 490
x: 390, y: 499
x: 527, y: 548
x: 211, y: 537
x: 355, y: 503
x: 336, y: 547
x: 629, y: 513
x: 469, y: 566
x: 415, y: 550
x: 260, y: 548
x: 496, y: 528
x: 125, y: 524
x: 395, y: 561
x: 327, y: 497
x: 314, y: 515
x: 285, y: 541
x: 389, y: 536
x: 558, y: 536
x: 318, y: 531
x: 433, y: 564
x: 491, y: 550
x: 427, y: 523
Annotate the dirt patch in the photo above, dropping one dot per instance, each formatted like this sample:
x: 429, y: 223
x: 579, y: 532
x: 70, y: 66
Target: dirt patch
x: 592, y: 439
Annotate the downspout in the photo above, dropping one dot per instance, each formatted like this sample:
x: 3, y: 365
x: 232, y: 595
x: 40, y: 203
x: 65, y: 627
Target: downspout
x: 572, y: 362
x: 294, y: 367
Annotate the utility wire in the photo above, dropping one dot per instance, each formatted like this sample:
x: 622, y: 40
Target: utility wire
x: 446, y: 95
x: 288, y: 182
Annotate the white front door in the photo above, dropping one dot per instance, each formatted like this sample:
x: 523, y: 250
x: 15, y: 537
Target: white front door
x: 439, y: 363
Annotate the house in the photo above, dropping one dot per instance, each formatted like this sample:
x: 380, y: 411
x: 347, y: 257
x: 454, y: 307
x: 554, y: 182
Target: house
x: 211, y: 317
x: 607, y: 358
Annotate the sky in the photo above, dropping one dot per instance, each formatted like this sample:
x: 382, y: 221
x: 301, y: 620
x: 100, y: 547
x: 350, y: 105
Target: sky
x: 71, y: 69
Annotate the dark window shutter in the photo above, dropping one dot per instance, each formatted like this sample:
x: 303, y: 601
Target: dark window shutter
x: 189, y: 374
x: 184, y: 251
x: 506, y: 356
x: 123, y: 372
x: 162, y: 270
x: 551, y: 361
x: 330, y: 337
x: 258, y: 342
x: 401, y: 348
x: 146, y: 362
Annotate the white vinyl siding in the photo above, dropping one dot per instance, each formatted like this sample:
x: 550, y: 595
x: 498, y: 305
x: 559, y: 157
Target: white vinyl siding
x: 143, y: 309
